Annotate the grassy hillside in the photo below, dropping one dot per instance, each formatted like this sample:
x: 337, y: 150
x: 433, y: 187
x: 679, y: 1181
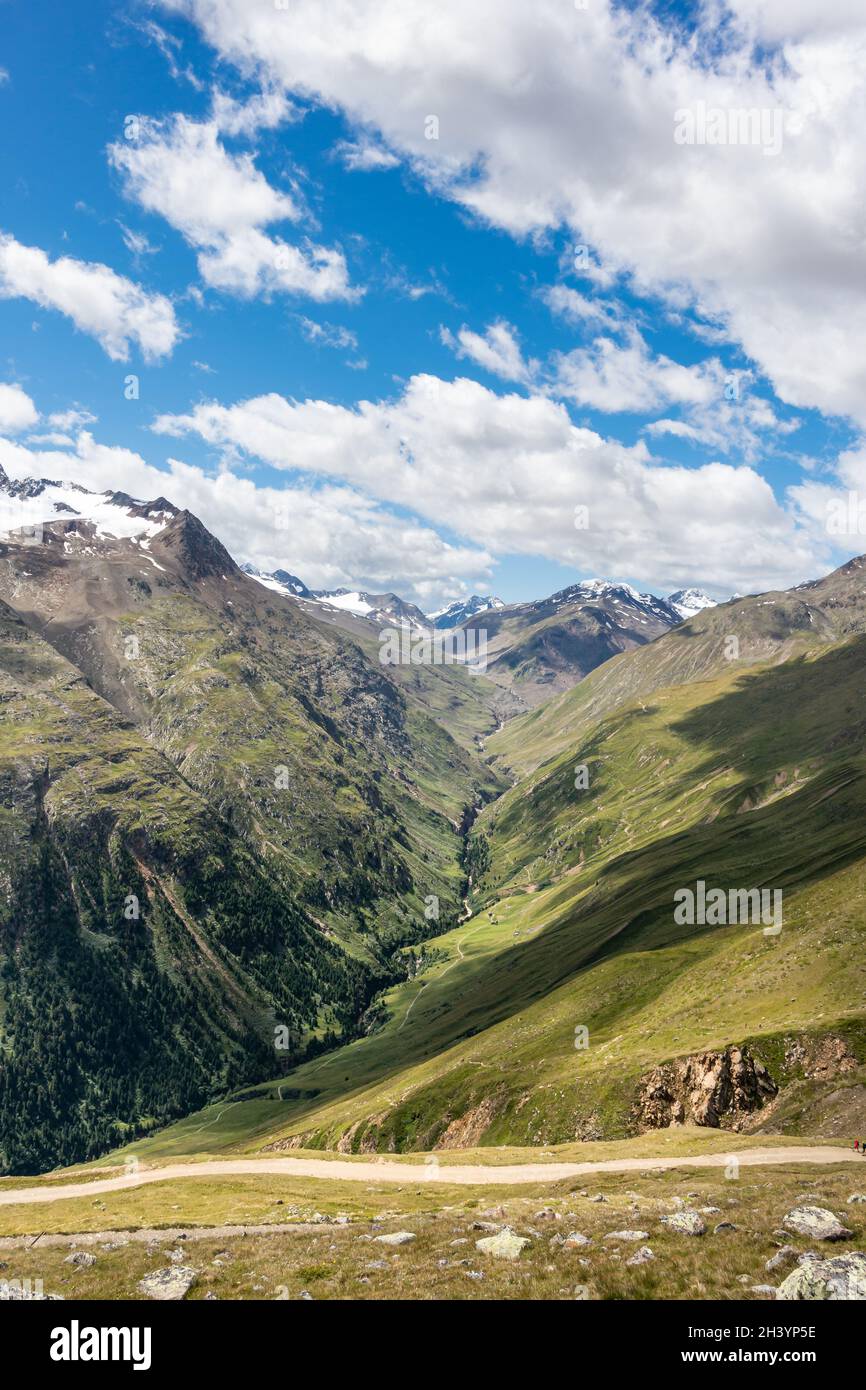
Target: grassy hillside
x: 754, y: 631
x: 287, y: 816
x: 754, y: 779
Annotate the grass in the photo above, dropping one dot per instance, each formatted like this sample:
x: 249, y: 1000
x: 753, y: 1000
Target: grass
x: 750, y: 779
x: 344, y: 1262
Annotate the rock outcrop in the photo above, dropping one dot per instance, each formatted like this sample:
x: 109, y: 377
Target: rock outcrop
x: 708, y: 1088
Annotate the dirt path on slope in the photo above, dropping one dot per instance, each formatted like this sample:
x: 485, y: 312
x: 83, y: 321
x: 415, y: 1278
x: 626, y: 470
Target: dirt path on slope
x: 384, y: 1170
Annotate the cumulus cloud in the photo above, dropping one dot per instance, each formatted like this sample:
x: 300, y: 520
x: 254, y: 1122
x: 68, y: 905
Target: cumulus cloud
x: 332, y: 536
x: 17, y: 411
x: 221, y: 204
x: 509, y: 473
x: 612, y: 376
x: 553, y: 117
x: 115, y: 311
x: 497, y: 350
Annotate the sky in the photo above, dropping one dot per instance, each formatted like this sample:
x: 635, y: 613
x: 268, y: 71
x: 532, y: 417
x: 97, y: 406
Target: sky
x: 446, y: 298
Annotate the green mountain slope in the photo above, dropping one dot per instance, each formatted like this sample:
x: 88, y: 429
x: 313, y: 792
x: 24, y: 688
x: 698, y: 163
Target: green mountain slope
x: 754, y: 779
x: 287, y: 815
x: 745, y: 632
x: 145, y: 956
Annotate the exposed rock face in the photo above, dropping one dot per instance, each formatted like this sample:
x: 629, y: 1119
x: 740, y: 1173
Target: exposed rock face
x: 466, y: 1131
x: 843, y: 1277
x: 820, y: 1058
x: 708, y: 1088
x: 817, y: 1223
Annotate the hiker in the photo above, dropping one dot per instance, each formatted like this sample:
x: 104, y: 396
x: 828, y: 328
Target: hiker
x: 856, y: 1145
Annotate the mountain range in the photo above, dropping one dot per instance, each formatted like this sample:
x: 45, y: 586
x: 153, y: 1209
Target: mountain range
x: 532, y: 649
x: 237, y: 848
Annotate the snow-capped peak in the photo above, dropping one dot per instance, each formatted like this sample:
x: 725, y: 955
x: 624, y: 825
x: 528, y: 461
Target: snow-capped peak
x: 30, y: 503
x: 688, y: 602
x: 463, y: 608
x: 280, y: 582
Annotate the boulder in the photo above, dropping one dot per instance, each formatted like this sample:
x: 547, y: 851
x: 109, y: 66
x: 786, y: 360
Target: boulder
x: 627, y: 1235
x: 686, y: 1223
x: 841, y: 1278
x: 81, y: 1259
x: 396, y: 1238
x: 817, y: 1223
x: 165, y: 1284
x: 505, y: 1245
x: 641, y: 1257
x: 20, y: 1291
x: 782, y: 1257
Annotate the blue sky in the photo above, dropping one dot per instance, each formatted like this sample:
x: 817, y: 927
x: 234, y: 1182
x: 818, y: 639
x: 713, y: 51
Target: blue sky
x: 430, y: 384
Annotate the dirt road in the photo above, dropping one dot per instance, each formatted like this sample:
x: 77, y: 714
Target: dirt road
x: 384, y: 1170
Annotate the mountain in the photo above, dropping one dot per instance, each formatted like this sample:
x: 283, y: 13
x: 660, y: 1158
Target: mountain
x: 770, y: 627
x: 283, y: 809
x: 537, y: 649
x: 745, y: 775
x: 383, y: 610
x: 280, y: 581
x: 463, y: 609
x: 688, y: 602
x: 533, y: 649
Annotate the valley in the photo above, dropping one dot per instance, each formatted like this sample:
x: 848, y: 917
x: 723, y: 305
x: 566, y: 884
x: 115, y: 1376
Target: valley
x: 457, y: 918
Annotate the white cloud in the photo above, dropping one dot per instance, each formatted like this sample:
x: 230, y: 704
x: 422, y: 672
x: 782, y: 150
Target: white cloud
x: 114, y: 310
x: 574, y: 307
x: 497, y: 350
x: 550, y: 116
x: 71, y: 419
x: 264, y: 111
x: 136, y: 242
x: 361, y: 156
x: 507, y: 472
x: 333, y: 335
x: 17, y: 411
x: 737, y: 424
x: 221, y: 204
x: 627, y: 377
x: 775, y: 21
x: 331, y: 536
